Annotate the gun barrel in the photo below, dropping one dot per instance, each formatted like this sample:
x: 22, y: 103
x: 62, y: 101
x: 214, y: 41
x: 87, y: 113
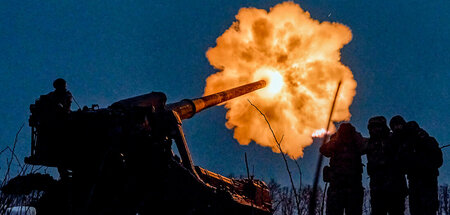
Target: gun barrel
x: 189, y: 107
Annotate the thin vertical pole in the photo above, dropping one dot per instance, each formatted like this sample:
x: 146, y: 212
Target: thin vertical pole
x: 313, y: 197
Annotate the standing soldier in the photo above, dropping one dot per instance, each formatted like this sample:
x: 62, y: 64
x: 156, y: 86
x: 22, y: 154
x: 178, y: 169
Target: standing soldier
x: 56, y: 106
x: 399, y: 140
x: 387, y: 181
x: 399, y: 137
x: 61, y: 98
x: 344, y: 173
x: 425, y: 160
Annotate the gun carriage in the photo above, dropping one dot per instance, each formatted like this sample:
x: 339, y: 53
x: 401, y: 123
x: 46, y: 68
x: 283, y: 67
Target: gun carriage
x: 119, y: 160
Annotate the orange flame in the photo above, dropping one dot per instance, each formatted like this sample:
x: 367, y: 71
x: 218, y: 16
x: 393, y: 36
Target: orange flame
x: 299, y: 57
x: 320, y: 133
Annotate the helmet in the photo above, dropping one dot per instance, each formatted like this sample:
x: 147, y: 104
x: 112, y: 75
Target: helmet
x: 377, y: 120
x: 346, y: 128
x: 346, y: 131
x: 377, y: 127
x: 397, y: 120
x: 59, y: 84
x: 412, y: 126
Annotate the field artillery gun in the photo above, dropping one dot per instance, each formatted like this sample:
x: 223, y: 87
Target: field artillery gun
x: 119, y: 160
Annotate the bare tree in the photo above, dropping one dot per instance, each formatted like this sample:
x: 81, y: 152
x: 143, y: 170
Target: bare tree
x: 444, y: 200
x: 8, y: 201
x: 278, y: 143
x: 283, y: 199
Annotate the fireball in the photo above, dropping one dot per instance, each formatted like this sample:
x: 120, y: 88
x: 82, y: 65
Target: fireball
x: 299, y: 58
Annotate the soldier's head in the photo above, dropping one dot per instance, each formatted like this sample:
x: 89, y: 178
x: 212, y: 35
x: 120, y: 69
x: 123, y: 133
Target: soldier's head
x: 378, y: 127
x: 414, y: 130
x: 346, y: 131
x: 60, y: 84
x: 412, y: 126
x: 397, y: 123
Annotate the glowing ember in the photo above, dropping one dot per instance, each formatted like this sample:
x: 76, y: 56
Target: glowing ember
x: 320, y: 133
x: 299, y: 57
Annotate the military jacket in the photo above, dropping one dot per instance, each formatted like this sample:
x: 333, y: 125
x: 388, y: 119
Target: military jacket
x: 345, y: 159
x: 426, y: 156
x: 384, y: 166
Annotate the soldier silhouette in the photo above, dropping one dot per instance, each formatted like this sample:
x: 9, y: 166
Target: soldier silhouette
x: 60, y: 98
x: 345, y: 171
x: 387, y: 181
x: 424, y: 159
x: 59, y: 102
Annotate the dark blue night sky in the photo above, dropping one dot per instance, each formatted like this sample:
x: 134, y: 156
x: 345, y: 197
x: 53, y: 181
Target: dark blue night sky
x: 110, y: 50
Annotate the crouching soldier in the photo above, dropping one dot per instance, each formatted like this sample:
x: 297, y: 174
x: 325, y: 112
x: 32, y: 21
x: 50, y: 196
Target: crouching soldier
x: 345, y: 171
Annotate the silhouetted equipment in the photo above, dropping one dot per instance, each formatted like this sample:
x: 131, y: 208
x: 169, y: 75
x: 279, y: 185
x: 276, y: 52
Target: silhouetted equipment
x: 122, y: 163
x: 187, y: 108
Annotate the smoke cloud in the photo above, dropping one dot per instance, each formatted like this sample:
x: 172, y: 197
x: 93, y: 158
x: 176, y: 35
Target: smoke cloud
x: 299, y: 57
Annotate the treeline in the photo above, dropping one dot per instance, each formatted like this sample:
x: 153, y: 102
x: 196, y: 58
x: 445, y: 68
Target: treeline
x: 283, y: 200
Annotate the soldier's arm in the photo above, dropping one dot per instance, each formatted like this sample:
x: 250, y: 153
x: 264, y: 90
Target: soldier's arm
x: 435, y: 152
x: 429, y: 152
x: 328, y: 148
x: 361, y: 142
x: 364, y: 144
x: 68, y: 101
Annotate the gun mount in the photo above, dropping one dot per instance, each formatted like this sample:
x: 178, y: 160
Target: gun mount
x: 121, y: 161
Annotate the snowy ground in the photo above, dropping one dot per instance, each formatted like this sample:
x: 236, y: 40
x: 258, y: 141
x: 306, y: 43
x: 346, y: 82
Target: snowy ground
x: 21, y: 210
